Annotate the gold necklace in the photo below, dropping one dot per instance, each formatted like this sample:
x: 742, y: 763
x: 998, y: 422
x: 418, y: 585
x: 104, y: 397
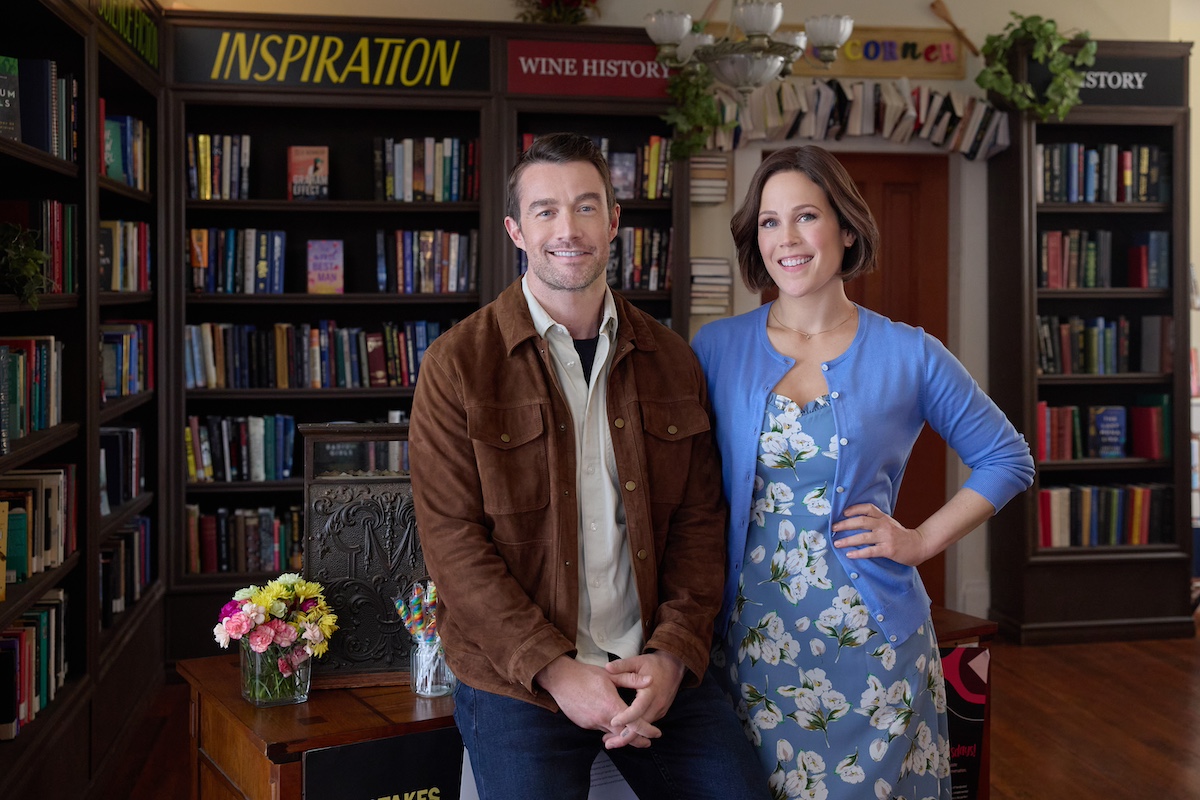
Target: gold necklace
x: 806, y: 334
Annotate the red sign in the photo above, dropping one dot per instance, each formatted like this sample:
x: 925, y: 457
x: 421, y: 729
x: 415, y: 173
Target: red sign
x: 585, y: 69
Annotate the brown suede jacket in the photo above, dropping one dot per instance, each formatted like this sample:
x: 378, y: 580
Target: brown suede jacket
x: 493, y: 473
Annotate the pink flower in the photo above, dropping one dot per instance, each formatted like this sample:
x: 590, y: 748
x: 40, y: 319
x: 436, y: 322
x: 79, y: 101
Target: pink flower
x: 308, y: 605
x: 298, y: 656
x: 285, y: 666
x: 285, y: 634
x: 238, y: 625
x: 312, y: 633
x: 230, y: 608
x: 261, y: 638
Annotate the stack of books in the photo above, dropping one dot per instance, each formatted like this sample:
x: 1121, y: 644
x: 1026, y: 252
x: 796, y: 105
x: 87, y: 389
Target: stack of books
x: 711, y: 282
x: 709, y: 177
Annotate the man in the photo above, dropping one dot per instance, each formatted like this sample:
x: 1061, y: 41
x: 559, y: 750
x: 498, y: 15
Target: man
x: 568, y: 500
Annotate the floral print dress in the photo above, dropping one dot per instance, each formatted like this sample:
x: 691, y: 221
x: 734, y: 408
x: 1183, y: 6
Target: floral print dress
x: 833, y: 709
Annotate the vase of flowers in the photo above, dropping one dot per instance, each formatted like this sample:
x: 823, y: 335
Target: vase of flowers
x: 563, y: 12
x: 280, y: 628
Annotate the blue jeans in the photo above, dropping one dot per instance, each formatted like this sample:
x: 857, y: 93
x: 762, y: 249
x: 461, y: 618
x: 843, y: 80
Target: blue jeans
x: 521, y: 751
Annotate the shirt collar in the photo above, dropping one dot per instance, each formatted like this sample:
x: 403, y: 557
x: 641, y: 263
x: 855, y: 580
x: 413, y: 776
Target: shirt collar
x: 543, y: 322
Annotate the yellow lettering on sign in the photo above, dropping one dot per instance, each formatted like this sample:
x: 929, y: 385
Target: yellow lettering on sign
x: 853, y: 50
x: 312, y: 54
x: 216, y: 70
x: 293, y: 51
x: 387, y: 45
x: 447, y: 69
x: 268, y: 57
x: 245, y: 57
x: 360, y: 62
x: 406, y: 76
x: 327, y: 59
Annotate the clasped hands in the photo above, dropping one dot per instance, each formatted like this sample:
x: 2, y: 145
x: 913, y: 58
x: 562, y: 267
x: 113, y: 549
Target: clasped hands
x: 588, y: 695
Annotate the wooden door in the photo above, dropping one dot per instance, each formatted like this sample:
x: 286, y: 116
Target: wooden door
x: 909, y: 197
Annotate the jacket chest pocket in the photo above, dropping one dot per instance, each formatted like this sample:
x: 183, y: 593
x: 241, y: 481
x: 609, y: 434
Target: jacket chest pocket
x: 670, y: 431
x: 510, y: 448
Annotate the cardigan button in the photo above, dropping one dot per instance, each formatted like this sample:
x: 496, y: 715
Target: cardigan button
x: 834, y: 395
x: 824, y: 368
x: 843, y: 440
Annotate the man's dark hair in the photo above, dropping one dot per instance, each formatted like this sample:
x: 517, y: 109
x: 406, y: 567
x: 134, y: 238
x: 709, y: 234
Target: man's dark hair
x: 557, y: 148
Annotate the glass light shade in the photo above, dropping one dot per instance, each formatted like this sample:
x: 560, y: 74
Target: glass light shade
x: 745, y: 71
x: 797, y: 39
x: 830, y: 30
x: 758, y: 18
x: 667, y: 27
x: 690, y: 42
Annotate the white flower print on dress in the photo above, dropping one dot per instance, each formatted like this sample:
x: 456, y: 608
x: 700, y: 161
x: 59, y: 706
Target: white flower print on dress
x: 834, y: 447
x: 758, y: 554
x: 816, y: 502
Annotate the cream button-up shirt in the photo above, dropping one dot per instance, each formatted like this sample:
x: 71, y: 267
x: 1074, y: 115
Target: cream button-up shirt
x: 609, y: 614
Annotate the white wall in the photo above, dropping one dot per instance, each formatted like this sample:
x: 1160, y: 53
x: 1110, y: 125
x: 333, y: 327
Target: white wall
x: 1153, y: 20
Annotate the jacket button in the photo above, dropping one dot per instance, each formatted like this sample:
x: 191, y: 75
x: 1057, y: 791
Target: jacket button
x: 671, y: 429
x: 641, y: 554
x: 620, y: 423
x: 504, y: 437
x: 566, y: 563
x: 562, y: 427
x: 630, y: 485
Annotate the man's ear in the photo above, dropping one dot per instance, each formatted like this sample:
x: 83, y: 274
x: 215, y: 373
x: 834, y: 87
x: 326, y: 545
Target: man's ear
x: 514, y: 232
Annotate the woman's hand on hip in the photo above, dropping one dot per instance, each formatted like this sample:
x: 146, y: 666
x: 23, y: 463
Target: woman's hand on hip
x: 878, y: 535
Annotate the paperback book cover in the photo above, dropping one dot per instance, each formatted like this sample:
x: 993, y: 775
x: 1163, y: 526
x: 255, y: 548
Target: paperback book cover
x: 623, y: 167
x: 10, y: 109
x: 326, y: 267
x: 308, y: 173
x: 1106, y: 432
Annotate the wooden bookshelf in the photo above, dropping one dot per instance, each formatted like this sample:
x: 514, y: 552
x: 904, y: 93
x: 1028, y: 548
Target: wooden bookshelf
x: 1093, y: 586
x: 112, y: 668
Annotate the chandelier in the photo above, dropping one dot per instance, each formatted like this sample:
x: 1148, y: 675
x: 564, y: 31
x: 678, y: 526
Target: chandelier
x: 748, y: 62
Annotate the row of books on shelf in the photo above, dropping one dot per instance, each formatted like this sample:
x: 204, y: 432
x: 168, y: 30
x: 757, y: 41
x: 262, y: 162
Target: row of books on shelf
x: 325, y: 355
x: 237, y: 260
x: 1112, y: 515
x: 39, y: 515
x: 1083, y: 259
x: 126, y: 357
x: 126, y: 255
x: 41, y: 107
x: 33, y: 661
x: 708, y: 177
x: 425, y: 169
x: 639, y: 258
x: 218, y: 166
x: 896, y: 110
x: 126, y: 148
x: 1075, y: 345
x: 712, y: 283
x: 55, y: 227
x: 239, y: 448
x: 1073, y: 172
x: 244, y: 540
x: 30, y: 386
x: 128, y: 564
x: 644, y: 173
x: 1142, y: 430
x: 122, y: 465
x: 427, y: 261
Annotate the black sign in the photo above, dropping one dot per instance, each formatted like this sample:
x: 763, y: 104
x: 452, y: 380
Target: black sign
x: 419, y: 766
x: 275, y: 58
x: 1126, y: 81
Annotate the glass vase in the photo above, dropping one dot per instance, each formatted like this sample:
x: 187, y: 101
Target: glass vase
x: 265, y: 684
x: 430, y: 675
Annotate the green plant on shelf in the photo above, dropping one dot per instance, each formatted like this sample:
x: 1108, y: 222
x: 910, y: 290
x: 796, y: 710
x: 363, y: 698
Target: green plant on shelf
x: 22, y: 264
x: 1045, y: 46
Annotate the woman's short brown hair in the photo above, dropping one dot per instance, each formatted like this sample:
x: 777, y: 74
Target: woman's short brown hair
x: 827, y: 172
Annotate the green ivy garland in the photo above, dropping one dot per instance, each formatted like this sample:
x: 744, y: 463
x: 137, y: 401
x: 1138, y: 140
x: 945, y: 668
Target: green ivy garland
x: 1046, y: 43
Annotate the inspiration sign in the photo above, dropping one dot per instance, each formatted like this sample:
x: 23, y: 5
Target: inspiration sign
x: 585, y: 69
x: 272, y: 58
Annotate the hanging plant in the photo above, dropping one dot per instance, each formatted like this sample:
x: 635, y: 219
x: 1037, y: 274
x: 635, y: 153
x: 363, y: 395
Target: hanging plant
x: 1045, y: 46
x: 695, y: 115
x: 22, y: 264
x: 564, y: 12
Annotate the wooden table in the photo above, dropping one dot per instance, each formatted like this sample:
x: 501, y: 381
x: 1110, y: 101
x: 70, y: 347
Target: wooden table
x: 239, y: 752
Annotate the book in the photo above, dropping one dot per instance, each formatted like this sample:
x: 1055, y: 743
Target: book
x: 308, y: 173
x: 326, y: 268
x: 1106, y: 432
x: 623, y: 168
x: 10, y: 99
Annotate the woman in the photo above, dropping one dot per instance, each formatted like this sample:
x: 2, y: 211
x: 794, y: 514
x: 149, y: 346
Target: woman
x: 825, y: 637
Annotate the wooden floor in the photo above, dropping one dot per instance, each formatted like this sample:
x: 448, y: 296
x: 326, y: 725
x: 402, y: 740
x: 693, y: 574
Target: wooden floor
x: 1119, y: 721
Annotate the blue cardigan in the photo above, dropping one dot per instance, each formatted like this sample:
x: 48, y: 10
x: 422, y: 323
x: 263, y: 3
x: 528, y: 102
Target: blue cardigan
x: 891, y: 380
